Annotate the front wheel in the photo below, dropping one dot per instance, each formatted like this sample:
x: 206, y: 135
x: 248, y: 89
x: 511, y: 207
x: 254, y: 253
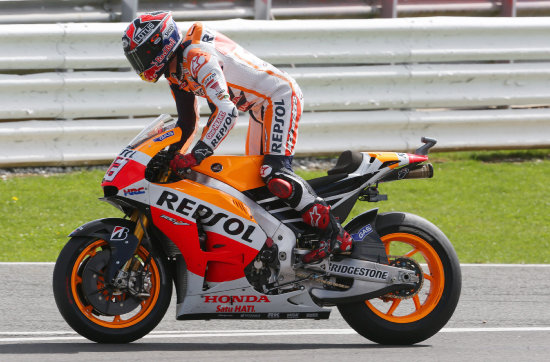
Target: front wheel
x: 99, y: 311
x: 406, y: 317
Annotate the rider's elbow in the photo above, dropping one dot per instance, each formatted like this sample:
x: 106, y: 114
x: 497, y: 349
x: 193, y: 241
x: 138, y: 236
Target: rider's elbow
x: 230, y: 109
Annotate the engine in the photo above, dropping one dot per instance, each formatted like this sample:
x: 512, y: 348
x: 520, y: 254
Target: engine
x: 263, y: 270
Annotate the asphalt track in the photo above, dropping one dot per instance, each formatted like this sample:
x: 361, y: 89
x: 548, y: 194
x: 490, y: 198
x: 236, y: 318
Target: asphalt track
x: 503, y: 315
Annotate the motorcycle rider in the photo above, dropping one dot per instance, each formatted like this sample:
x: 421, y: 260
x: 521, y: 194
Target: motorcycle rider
x: 206, y: 63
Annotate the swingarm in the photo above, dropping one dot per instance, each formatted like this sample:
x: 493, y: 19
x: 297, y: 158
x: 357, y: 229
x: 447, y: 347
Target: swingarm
x: 370, y: 280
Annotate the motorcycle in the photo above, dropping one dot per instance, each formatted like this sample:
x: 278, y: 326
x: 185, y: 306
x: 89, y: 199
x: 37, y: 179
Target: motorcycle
x: 234, y: 251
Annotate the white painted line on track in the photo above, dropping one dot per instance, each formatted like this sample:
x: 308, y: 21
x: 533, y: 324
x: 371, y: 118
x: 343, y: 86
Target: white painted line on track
x: 27, y: 263
x: 466, y: 265
x: 508, y: 265
x: 58, y: 336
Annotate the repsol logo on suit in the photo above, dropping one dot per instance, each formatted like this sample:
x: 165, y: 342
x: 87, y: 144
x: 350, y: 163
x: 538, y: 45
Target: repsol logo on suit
x: 222, y: 131
x: 278, y: 127
x: 190, y: 208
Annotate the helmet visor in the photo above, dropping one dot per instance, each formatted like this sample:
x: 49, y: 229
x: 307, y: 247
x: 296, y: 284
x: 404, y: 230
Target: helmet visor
x: 141, y: 57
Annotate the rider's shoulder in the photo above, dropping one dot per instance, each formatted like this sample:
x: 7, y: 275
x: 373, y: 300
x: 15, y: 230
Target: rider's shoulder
x: 195, y: 57
x: 195, y: 50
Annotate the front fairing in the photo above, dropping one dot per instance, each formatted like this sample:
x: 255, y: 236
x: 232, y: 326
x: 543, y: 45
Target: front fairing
x: 126, y: 175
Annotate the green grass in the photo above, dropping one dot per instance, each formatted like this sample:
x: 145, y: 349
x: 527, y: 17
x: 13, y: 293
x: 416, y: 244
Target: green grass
x: 37, y: 212
x: 492, y: 210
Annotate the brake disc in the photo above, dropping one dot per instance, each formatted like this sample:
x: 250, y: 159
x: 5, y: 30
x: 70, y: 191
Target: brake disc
x: 105, y: 299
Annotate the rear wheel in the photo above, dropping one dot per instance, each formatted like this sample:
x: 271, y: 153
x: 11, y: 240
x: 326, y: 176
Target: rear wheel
x: 410, y: 316
x: 100, y: 311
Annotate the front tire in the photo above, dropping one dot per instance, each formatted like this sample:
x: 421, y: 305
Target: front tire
x: 396, y: 320
x: 99, y: 312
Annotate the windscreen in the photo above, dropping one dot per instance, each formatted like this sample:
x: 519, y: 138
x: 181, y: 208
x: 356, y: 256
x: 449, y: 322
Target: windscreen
x: 161, y: 124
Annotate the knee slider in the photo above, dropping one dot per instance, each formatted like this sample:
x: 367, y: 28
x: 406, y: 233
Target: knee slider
x: 280, y: 188
x: 281, y: 181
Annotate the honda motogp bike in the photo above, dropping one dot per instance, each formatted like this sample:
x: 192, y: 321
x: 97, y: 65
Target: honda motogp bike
x: 231, y: 250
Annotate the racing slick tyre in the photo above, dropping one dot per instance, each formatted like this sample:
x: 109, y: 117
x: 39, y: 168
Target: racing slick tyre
x: 410, y: 316
x: 100, y: 311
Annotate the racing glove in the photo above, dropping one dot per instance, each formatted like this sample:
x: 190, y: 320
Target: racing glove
x: 183, y: 161
x: 197, y: 155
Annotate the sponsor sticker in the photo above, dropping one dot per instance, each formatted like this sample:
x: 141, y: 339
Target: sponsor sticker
x: 223, y: 223
x: 358, y: 271
x: 134, y: 191
x: 150, y: 74
x: 120, y: 233
x: 236, y: 299
x: 210, y: 78
x: 226, y: 126
x: 165, y: 51
x: 164, y: 136
x: 144, y: 32
x: 169, y: 29
x: 215, y: 125
x: 226, y: 302
x: 364, y: 231
x: 235, y: 309
x: 278, y: 127
x: 174, y: 221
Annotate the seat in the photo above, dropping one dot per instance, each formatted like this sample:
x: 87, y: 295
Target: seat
x: 348, y: 162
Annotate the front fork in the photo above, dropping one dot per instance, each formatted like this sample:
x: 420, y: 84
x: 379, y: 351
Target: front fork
x: 141, y: 222
x: 128, y: 247
x: 132, y: 269
x: 124, y: 248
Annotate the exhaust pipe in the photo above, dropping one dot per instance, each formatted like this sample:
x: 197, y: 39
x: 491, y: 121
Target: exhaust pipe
x: 425, y: 171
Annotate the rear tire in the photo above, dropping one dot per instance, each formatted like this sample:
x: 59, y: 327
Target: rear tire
x: 87, y: 312
x: 397, y: 321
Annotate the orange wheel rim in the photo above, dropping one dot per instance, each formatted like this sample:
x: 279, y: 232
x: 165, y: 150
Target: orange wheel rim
x: 419, y: 306
x: 117, y: 321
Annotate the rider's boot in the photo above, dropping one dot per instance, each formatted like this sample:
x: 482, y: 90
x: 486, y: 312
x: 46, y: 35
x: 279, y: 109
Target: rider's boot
x: 334, y: 239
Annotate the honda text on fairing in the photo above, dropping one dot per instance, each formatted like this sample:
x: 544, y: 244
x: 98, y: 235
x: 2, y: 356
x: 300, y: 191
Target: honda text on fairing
x: 233, y: 251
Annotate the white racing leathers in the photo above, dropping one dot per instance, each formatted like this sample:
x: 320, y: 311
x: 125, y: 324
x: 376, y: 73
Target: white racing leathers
x: 231, y: 79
